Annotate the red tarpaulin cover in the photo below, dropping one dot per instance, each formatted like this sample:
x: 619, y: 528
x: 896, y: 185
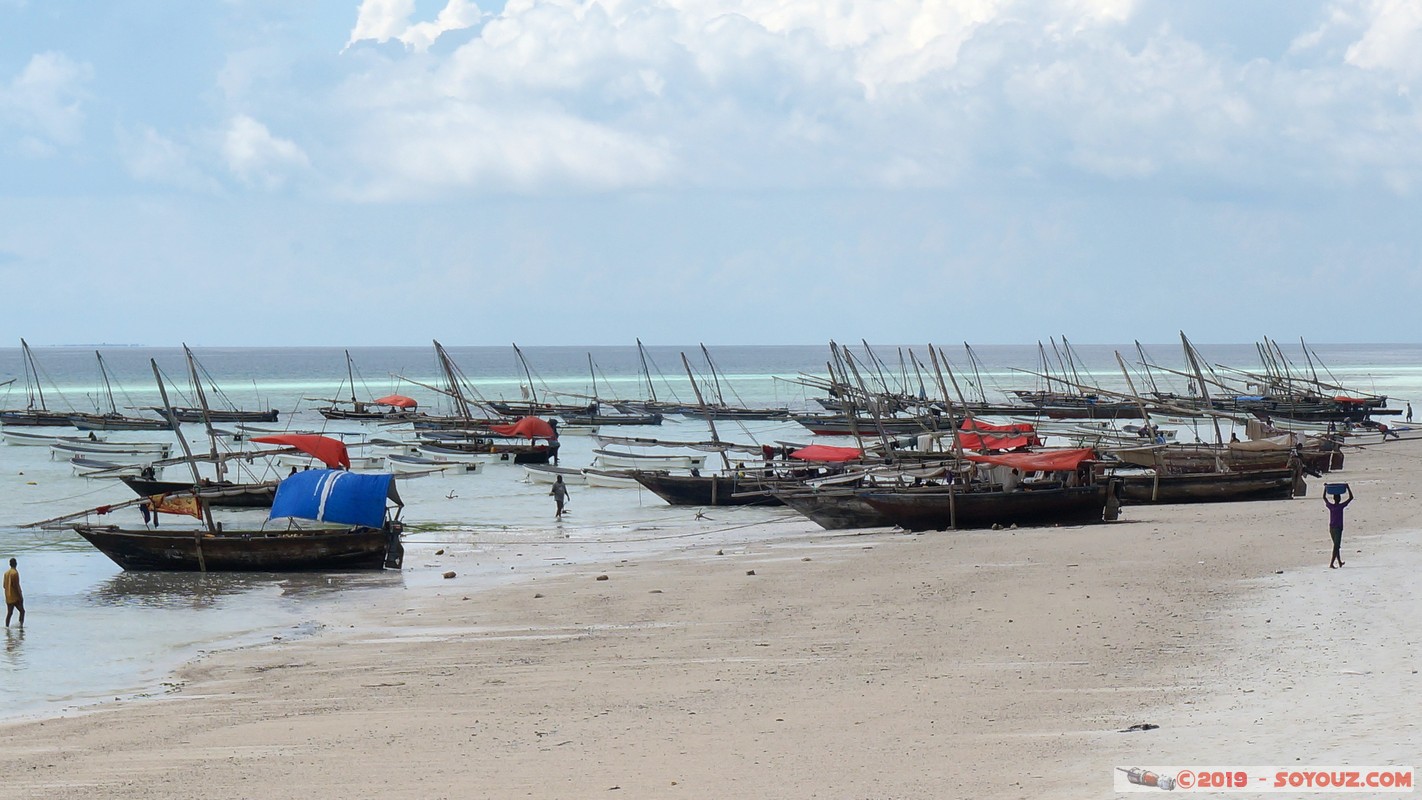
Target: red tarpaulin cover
x: 974, y: 434
x: 331, y: 451
x: 1345, y: 399
x: 1049, y: 461
x: 824, y: 452
x: 528, y: 428
x: 396, y: 400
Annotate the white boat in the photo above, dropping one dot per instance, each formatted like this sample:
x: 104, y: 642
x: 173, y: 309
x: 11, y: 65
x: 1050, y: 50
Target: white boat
x: 447, y: 455
x: 387, y: 447
x: 614, y: 460
x: 546, y: 473
x: 407, y: 465
x: 86, y: 467
x: 610, y: 479
x: 68, y: 449
x: 301, y: 460
x: 29, y: 438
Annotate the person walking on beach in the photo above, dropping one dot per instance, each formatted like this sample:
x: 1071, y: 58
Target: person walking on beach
x: 560, y: 495
x: 1409, y: 413
x: 1335, y: 524
x: 14, y: 597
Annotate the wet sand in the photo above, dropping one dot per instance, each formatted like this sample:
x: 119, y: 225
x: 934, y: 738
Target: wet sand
x: 993, y: 664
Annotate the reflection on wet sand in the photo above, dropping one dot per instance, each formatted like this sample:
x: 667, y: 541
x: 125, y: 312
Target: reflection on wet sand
x: 204, y: 590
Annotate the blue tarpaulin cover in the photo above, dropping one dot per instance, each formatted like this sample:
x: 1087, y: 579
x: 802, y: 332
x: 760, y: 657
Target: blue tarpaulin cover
x: 330, y: 495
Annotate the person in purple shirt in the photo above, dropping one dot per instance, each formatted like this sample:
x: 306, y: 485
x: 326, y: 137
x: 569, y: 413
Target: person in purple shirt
x: 1335, y: 524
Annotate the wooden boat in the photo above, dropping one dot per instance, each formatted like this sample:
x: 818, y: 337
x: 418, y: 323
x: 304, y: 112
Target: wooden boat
x: 1206, y: 487
x: 188, y: 414
x: 835, y: 509
x: 117, y: 422
x: 225, y: 494
x: 708, y: 490
x: 391, y: 408
x: 934, y: 511
x: 602, y: 420
x: 325, y: 497
x: 840, y: 425
x: 35, y: 413
x: 113, y: 419
x: 1234, y: 457
x: 276, y: 550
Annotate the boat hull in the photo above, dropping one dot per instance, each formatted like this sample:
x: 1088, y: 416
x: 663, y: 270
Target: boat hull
x: 246, y: 551
x: 835, y: 511
x: 706, y: 490
x: 1209, y: 487
x: 925, y: 511
x: 249, y: 495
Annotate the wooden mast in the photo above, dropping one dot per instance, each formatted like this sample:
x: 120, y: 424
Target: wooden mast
x: 192, y: 462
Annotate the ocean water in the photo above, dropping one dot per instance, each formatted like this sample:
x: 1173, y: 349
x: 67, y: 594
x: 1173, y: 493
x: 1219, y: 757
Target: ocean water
x: 95, y: 632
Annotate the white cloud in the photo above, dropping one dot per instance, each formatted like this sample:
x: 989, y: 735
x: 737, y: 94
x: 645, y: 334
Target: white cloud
x: 384, y: 20
x: 257, y: 157
x: 43, y: 103
x: 1392, y: 40
x: 153, y: 158
x: 550, y: 94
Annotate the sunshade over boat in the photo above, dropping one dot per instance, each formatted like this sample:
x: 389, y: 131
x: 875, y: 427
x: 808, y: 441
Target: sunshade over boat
x: 338, y: 496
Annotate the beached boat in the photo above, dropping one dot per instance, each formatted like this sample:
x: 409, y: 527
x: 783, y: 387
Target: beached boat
x: 1049, y: 487
x: 709, y: 490
x: 370, y: 538
x: 835, y: 509
x: 952, y: 508
x: 1206, y: 487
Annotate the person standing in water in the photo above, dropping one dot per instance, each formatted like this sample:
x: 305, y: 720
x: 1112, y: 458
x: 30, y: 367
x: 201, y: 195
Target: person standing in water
x: 1335, y: 524
x: 14, y: 597
x: 560, y: 495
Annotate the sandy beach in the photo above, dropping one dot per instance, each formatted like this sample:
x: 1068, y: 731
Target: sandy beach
x: 801, y: 663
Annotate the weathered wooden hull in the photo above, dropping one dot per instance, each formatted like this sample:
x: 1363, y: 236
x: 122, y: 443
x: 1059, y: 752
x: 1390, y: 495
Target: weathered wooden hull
x: 835, y: 510
x: 221, y: 415
x: 839, y: 425
x: 369, y: 416
x: 248, y: 495
x: 604, y: 420
x: 1209, y: 487
x: 706, y: 490
x: 247, y: 551
x: 931, y: 511
x: 1197, y: 459
x: 35, y: 419
x: 111, y: 422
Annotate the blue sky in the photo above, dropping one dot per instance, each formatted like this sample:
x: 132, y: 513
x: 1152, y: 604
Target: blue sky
x: 728, y: 171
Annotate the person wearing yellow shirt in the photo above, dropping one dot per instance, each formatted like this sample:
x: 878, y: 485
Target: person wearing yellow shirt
x: 14, y: 598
